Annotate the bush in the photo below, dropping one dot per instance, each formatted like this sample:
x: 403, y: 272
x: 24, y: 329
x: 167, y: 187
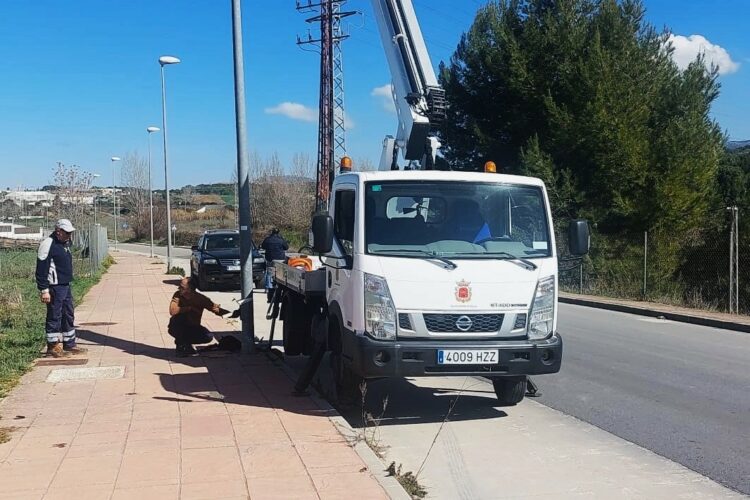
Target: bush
x: 177, y: 270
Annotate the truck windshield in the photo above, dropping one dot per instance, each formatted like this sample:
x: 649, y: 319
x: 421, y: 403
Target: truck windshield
x: 455, y: 219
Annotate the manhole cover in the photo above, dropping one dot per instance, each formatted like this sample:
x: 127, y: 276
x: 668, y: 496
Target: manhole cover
x: 94, y: 373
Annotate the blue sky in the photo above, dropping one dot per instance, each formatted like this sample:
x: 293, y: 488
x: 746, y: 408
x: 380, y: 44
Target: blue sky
x: 79, y: 79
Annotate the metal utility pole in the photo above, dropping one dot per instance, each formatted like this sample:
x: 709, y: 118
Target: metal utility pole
x: 150, y: 131
x: 331, y: 123
x: 114, y: 195
x: 243, y: 181
x: 164, y: 61
x: 734, y: 250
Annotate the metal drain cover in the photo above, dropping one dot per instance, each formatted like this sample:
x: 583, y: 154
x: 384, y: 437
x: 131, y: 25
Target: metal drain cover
x: 93, y: 373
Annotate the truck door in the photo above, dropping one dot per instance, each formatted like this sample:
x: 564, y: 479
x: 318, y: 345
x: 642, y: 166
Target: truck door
x: 340, y: 287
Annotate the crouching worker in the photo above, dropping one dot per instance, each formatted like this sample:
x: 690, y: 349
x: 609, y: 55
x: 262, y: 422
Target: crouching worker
x: 186, y: 311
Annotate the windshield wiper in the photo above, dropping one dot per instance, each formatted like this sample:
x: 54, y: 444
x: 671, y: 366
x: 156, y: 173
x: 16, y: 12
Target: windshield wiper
x: 515, y: 259
x: 449, y: 264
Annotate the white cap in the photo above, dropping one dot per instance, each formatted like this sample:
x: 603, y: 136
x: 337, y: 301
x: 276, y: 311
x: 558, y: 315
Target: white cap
x: 65, y: 225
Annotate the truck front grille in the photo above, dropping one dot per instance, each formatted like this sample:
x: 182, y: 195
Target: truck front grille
x: 463, y: 323
x: 404, y: 322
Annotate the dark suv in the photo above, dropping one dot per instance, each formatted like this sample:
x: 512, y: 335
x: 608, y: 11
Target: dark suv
x: 215, y: 262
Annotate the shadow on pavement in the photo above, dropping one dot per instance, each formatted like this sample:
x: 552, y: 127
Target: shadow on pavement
x: 229, y: 378
x: 409, y: 403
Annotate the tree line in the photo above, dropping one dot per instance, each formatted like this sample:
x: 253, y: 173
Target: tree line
x: 585, y: 95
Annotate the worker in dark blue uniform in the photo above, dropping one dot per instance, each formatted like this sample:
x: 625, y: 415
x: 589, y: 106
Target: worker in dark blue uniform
x: 275, y: 247
x: 54, y: 273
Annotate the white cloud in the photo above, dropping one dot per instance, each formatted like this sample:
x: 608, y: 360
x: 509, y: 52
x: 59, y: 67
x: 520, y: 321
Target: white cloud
x: 687, y: 48
x: 385, y: 95
x: 303, y: 113
x: 295, y: 111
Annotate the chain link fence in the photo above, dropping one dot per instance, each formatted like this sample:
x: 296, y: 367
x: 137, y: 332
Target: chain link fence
x: 689, y: 268
x: 89, y: 248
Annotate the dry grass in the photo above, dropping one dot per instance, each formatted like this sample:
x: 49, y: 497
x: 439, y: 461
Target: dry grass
x: 5, y: 433
x: 408, y: 481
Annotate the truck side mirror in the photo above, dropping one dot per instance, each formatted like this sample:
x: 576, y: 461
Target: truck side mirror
x: 579, y: 239
x: 322, y: 229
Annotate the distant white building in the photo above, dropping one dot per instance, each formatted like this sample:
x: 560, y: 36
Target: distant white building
x: 19, y: 232
x: 30, y: 197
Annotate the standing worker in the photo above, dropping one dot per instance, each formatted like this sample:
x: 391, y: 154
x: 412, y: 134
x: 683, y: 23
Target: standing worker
x: 275, y: 247
x: 54, y: 273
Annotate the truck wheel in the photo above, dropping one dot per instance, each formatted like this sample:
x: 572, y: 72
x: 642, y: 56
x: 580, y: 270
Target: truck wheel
x: 348, y: 383
x: 294, y: 326
x: 509, y: 390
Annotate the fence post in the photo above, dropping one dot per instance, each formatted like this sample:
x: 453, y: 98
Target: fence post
x: 731, y: 260
x: 645, y: 262
x: 580, y: 277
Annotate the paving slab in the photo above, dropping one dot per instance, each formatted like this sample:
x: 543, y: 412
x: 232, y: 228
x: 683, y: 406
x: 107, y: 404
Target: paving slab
x: 137, y: 422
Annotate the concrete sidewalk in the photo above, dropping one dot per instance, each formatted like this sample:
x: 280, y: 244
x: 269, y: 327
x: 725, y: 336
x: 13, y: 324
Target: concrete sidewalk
x: 154, y: 426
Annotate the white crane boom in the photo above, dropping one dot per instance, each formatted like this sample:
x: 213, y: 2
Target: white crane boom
x: 419, y: 98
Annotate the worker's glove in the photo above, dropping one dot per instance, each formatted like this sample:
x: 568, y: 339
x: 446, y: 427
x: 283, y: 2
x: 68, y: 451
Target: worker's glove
x: 235, y: 314
x: 222, y: 311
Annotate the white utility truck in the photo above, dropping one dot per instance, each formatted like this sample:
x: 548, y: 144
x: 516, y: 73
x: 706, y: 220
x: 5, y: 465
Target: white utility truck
x: 425, y: 272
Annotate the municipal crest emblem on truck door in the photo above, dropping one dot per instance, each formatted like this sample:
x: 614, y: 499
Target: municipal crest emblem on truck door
x: 463, y: 291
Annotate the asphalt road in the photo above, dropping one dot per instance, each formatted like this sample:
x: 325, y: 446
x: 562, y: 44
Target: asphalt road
x: 680, y: 390
x: 177, y: 252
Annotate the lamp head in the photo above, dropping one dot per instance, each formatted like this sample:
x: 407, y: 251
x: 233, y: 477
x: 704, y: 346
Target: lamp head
x: 164, y: 60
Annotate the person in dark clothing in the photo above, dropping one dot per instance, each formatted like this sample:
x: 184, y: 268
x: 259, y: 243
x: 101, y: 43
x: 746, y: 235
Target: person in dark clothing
x: 54, y: 273
x: 275, y: 247
x: 186, y: 311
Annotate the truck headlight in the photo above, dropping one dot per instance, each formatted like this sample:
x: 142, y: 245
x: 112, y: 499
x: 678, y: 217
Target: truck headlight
x: 209, y: 261
x: 380, y: 314
x: 542, y: 309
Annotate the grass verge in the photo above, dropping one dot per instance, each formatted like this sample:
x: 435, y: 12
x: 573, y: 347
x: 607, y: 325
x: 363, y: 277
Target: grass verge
x: 22, y: 316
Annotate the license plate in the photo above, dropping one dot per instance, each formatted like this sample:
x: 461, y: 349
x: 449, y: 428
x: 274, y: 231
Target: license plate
x: 467, y: 357
x: 233, y: 268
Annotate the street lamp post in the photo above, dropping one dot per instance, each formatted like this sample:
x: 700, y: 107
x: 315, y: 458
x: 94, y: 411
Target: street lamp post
x: 163, y: 61
x: 114, y: 195
x: 150, y: 131
x: 95, y: 176
x: 246, y: 309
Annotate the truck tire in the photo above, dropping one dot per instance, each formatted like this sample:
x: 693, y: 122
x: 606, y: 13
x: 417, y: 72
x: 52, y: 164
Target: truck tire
x: 509, y: 390
x: 348, y: 391
x: 294, y: 327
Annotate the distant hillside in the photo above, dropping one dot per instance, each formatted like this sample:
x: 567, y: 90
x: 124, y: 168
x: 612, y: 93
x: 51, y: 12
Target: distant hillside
x: 732, y: 145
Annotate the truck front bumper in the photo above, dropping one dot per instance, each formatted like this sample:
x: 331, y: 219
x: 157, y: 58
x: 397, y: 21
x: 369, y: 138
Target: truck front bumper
x: 373, y: 359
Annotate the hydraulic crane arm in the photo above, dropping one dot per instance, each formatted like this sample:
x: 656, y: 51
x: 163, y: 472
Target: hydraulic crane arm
x: 419, y: 99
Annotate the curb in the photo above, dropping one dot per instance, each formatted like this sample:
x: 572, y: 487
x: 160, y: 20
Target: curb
x: 656, y: 313
x: 390, y: 484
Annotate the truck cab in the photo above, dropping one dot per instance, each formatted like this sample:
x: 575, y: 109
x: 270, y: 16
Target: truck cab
x: 441, y: 273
